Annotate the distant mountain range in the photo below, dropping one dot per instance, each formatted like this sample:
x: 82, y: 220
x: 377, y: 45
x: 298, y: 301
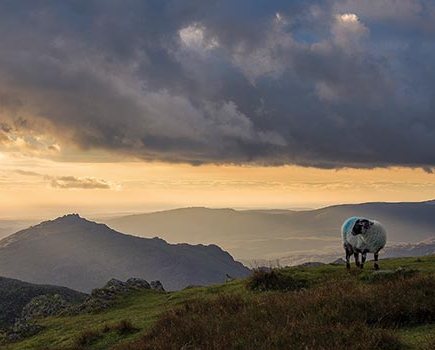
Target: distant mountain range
x: 15, y: 294
x: 74, y: 252
x: 272, y: 234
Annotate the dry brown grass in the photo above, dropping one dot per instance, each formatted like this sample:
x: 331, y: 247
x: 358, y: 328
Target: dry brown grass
x: 337, y: 315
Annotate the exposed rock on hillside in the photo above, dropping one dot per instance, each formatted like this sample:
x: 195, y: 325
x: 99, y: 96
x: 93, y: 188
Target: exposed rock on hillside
x: 18, y: 298
x: 43, y: 306
x: 102, y: 298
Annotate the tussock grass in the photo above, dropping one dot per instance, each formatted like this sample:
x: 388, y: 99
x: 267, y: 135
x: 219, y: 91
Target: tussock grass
x: 336, y: 315
x: 334, y: 308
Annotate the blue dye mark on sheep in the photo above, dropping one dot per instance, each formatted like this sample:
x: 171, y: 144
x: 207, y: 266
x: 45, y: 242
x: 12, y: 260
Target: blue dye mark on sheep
x: 348, y: 225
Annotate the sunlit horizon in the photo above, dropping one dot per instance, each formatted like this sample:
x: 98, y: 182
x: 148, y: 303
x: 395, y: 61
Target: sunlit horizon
x: 33, y: 187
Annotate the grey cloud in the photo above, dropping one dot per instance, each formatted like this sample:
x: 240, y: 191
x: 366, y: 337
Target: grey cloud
x: 267, y: 82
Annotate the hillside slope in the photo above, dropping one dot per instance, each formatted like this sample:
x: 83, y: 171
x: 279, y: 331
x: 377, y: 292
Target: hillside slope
x: 302, y: 306
x: 80, y: 254
x: 256, y: 235
x: 15, y: 294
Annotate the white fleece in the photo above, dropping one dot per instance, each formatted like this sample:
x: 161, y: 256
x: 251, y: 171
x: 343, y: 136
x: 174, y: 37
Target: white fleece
x: 372, y: 240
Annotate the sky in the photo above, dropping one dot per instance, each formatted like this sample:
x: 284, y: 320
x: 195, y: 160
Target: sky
x: 128, y: 106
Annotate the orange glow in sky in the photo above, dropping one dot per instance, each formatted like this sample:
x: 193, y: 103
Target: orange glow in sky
x: 41, y: 188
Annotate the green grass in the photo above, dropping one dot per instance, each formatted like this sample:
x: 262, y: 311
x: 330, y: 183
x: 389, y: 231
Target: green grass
x: 197, y: 308
x: 419, y: 337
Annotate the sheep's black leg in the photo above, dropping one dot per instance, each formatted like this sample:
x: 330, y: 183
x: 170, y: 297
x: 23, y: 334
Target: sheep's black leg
x: 348, y: 254
x: 356, y: 256
x: 363, y: 259
x: 376, y: 261
x: 349, y: 251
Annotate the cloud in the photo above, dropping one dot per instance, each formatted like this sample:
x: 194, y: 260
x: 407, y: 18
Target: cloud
x: 348, y: 31
x: 322, y: 83
x: 72, y: 182
x: 27, y: 173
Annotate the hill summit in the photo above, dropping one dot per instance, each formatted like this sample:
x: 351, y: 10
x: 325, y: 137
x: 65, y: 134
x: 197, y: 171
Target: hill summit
x: 80, y: 254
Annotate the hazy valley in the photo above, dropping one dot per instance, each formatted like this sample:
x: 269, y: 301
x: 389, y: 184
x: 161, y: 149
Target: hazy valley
x: 270, y: 235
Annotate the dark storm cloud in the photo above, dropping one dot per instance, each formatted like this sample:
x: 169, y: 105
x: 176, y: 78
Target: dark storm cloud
x: 320, y: 83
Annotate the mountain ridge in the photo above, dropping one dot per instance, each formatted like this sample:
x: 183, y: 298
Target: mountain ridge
x: 81, y: 254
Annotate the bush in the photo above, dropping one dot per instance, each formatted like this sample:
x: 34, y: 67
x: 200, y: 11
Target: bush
x: 275, y: 280
x: 86, y: 338
x: 124, y: 327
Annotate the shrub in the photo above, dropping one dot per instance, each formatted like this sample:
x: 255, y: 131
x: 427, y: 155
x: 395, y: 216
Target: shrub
x: 86, y: 338
x: 275, y: 280
x: 124, y: 327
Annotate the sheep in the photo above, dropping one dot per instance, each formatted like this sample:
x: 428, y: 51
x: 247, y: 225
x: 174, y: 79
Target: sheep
x: 362, y: 235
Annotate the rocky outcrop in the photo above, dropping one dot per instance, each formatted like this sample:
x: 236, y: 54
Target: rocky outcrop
x: 54, y: 304
x: 311, y: 264
x: 102, y: 298
x: 22, y: 329
x: 157, y: 285
x: 40, y: 306
x: 339, y: 261
x: 139, y: 283
x: 43, y: 306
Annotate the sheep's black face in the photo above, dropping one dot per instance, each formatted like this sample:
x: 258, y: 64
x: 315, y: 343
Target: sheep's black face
x: 361, y: 226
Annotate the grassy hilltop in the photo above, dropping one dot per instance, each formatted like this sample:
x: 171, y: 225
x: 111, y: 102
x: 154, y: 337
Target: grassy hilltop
x: 320, y: 307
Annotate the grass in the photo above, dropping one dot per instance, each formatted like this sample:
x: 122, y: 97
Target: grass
x: 302, y: 308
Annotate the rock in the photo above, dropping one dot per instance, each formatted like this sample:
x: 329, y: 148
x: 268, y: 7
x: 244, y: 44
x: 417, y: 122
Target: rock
x: 110, y: 290
x: 157, y: 285
x: 311, y: 264
x: 138, y: 283
x: 43, y: 306
x: 383, y: 275
x: 40, y: 306
x: 116, y: 285
x: 102, y: 298
x: 23, y: 329
x: 339, y: 261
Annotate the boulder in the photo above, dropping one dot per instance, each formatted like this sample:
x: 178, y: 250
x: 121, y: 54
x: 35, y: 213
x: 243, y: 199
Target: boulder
x: 311, y: 264
x: 137, y: 283
x: 102, y: 298
x: 339, y: 261
x: 22, y: 329
x: 43, y: 306
x: 157, y: 285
